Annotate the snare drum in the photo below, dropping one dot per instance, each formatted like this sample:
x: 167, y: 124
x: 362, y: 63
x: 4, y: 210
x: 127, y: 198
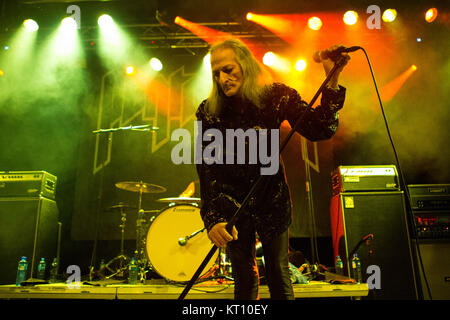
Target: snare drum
x: 168, y: 257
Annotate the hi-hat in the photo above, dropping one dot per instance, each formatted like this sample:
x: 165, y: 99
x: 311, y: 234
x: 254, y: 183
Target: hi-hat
x: 120, y: 205
x: 143, y: 187
x: 180, y: 200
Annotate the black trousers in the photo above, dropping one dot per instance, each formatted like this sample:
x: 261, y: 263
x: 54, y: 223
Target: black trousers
x: 242, y: 253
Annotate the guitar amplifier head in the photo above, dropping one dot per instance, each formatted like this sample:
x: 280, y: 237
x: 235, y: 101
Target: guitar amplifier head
x: 365, y: 178
x: 27, y: 184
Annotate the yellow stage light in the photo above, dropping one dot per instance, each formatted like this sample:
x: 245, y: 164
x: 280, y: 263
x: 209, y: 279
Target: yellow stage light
x: 31, y: 25
x: 389, y: 15
x: 431, y: 15
x: 130, y: 70
x: 350, y: 17
x: 300, y: 65
x: 249, y: 16
x: 314, y: 23
x: 269, y: 58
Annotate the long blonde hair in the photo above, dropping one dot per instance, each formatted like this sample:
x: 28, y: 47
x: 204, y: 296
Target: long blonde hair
x: 251, y: 86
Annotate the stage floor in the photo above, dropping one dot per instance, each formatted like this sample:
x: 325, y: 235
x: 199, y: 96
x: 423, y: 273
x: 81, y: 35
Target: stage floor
x: 206, y: 290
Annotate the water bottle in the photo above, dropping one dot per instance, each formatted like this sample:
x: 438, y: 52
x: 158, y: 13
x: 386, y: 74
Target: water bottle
x: 54, y: 271
x: 339, y: 265
x: 356, y: 269
x: 133, y: 271
x: 21, y: 271
x: 41, y: 269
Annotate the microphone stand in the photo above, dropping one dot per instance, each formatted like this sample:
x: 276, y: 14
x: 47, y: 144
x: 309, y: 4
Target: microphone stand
x: 339, y: 63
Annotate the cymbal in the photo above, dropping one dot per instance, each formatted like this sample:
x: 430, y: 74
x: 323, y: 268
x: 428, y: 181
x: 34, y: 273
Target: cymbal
x: 143, y: 187
x: 180, y: 200
x: 120, y: 205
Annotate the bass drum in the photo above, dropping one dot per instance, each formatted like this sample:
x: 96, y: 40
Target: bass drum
x: 167, y: 256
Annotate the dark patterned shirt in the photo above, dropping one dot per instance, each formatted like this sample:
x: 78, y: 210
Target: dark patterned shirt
x: 223, y: 187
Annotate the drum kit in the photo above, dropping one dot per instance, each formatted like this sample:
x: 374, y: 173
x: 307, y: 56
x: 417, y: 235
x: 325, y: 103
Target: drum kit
x: 170, y: 243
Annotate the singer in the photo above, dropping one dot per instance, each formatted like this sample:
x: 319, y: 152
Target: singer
x: 242, y: 98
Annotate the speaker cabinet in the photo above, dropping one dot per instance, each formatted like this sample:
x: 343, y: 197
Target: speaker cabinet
x: 381, y: 214
x: 28, y: 227
x: 435, y: 256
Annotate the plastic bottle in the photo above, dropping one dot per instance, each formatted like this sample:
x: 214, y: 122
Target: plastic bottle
x: 339, y: 265
x: 54, y: 271
x: 356, y: 269
x: 133, y: 272
x: 41, y: 269
x: 22, y: 271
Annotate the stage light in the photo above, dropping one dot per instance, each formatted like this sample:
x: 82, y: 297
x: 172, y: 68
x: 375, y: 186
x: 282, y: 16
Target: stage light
x: 6, y: 47
x: 269, y: 58
x: 31, y: 25
x: 130, y: 70
x: 2, y: 73
x: 156, y: 64
x: 69, y: 23
x: 431, y: 15
x: 249, y: 16
x: 207, y: 61
x: 177, y: 20
x: 314, y: 23
x: 419, y: 39
x: 413, y: 67
x: 350, y: 18
x: 389, y: 15
x: 300, y: 65
x: 105, y: 21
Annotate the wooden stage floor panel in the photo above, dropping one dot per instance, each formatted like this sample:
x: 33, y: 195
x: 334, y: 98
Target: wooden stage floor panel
x: 170, y: 291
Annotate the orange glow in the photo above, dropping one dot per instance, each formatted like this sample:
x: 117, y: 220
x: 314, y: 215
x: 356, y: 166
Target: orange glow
x: 208, y: 34
x: 165, y: 99
x: 390, y: 90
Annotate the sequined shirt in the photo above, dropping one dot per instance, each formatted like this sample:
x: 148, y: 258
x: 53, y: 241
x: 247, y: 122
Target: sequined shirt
x: 224, y: 186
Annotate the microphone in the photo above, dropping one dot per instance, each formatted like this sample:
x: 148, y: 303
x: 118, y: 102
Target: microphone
x: 318, y: 56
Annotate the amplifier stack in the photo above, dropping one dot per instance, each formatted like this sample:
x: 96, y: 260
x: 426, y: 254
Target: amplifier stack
x: 430, y: 205
x: 368, y: 217
x: 28, y: 221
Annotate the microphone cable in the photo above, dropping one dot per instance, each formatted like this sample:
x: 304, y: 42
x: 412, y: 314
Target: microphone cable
x: 402, y: 182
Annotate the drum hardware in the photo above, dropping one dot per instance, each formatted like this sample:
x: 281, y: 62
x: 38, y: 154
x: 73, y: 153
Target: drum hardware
x: 121, y: 258
x: 140, y: 187
x: 183, y: 241
x: 180, y: 200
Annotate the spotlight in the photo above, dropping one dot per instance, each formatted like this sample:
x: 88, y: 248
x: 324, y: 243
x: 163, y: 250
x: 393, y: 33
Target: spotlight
x: 207, y: 61
x: 30, y: 25
x: 105, y: 21
x: 130, y: 70
x: 413, y: 67
x: 269, y: 58
x: 300, y: 65
x: 419, y: 39
x: 2, y: 73
x: 314, y: 23
x: 389, y: 15
x: 249, y: 16
x: 350, y: 18
x: 431, y: 15
x: 6, y: 47
x: 156, y: 64
x: 69, y: 23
